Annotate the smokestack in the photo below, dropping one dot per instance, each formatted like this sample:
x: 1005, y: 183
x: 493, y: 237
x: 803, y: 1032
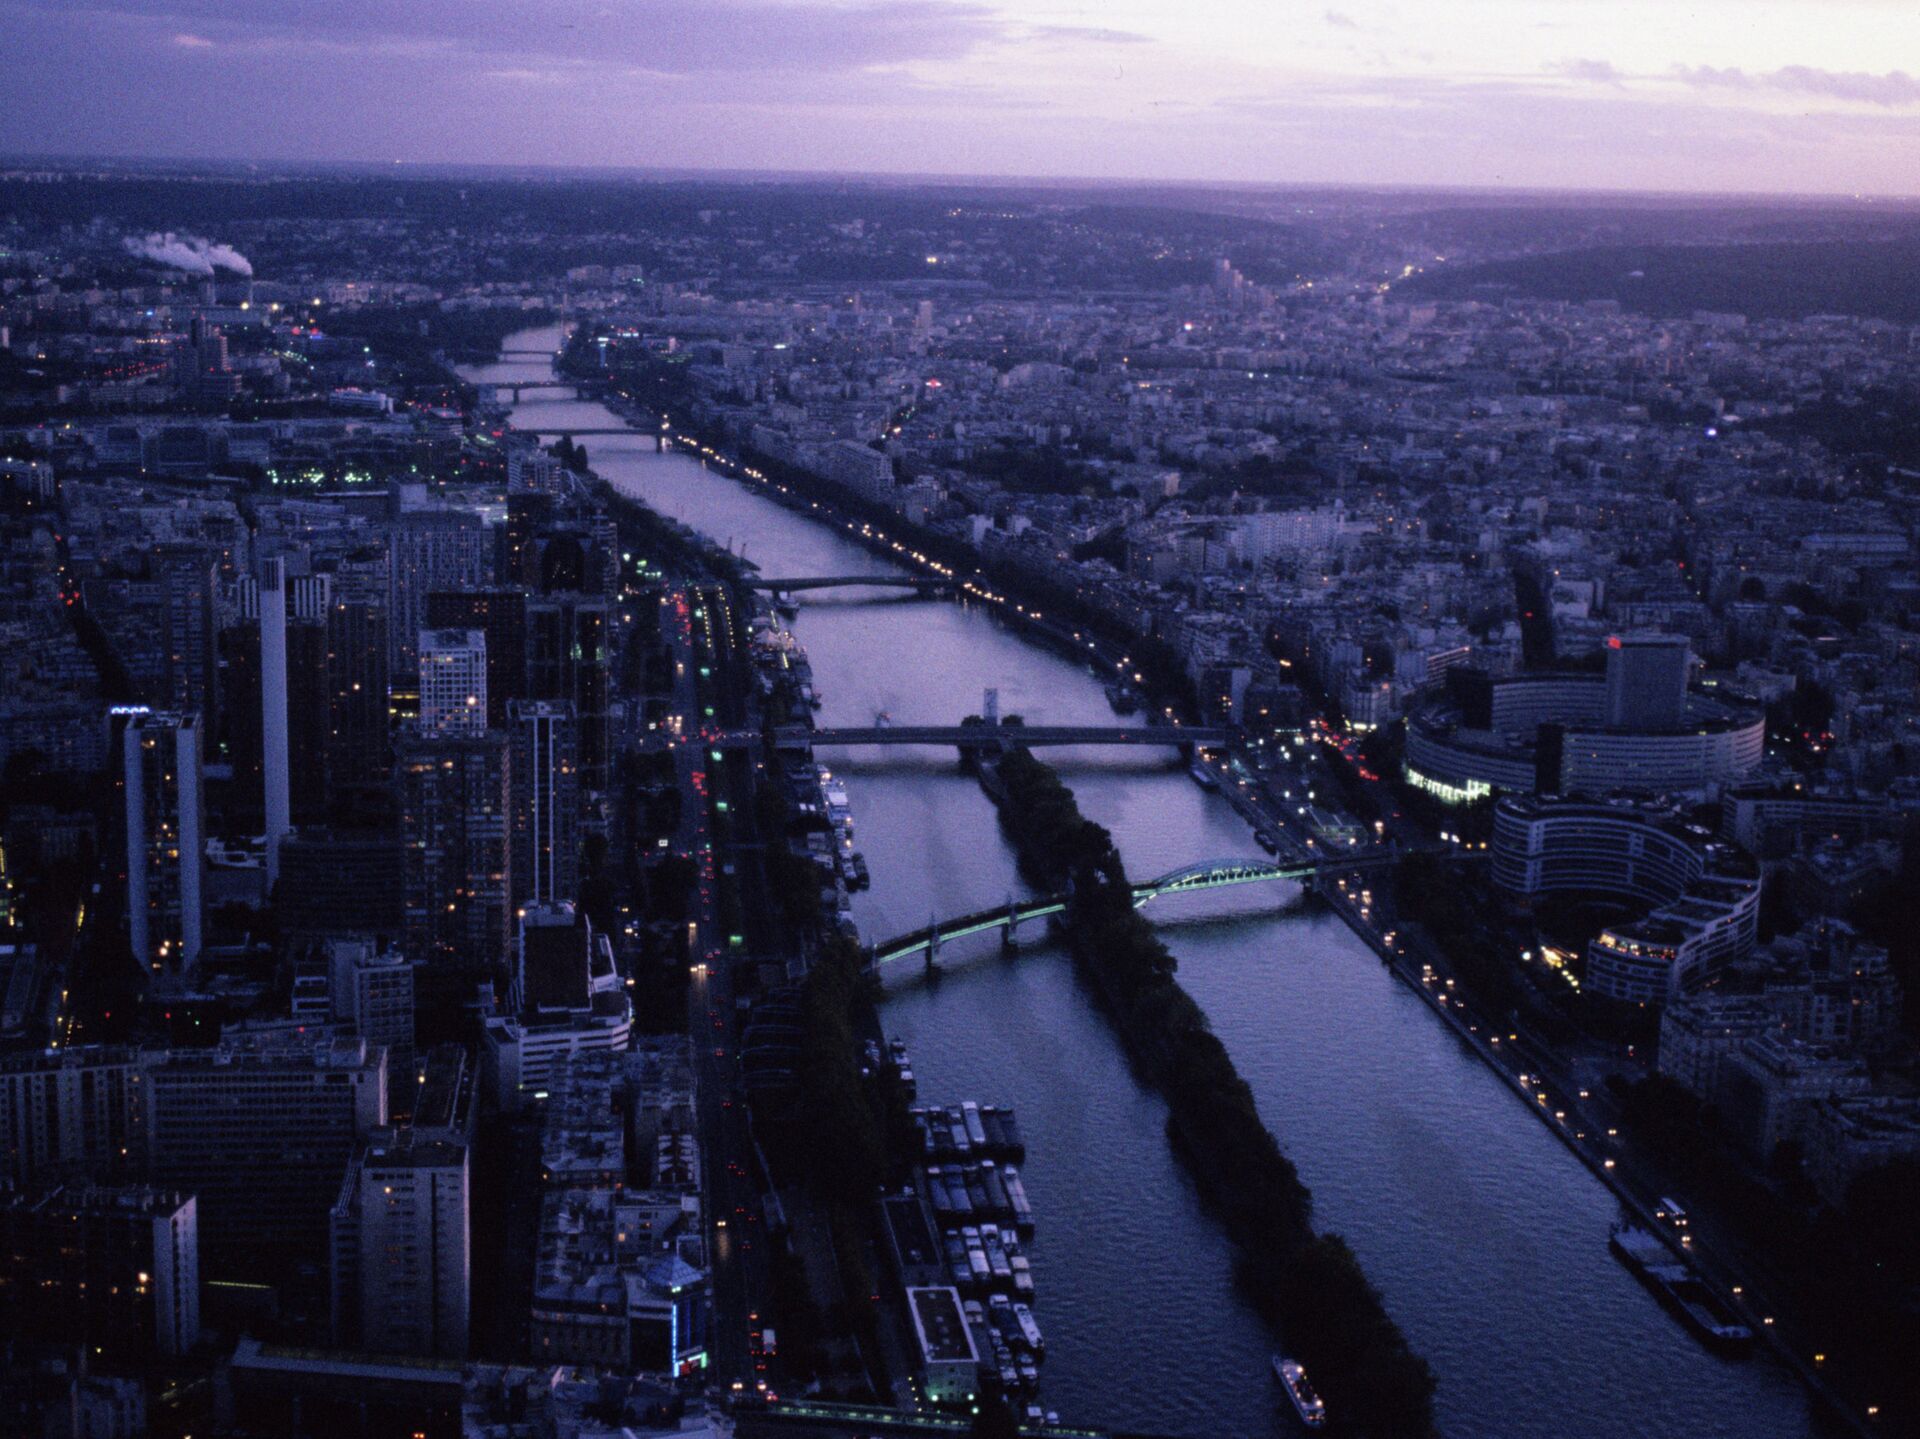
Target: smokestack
x: 273, y: 710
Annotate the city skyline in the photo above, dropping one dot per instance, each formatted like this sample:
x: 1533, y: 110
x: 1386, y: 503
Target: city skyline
x: 1787, y: 98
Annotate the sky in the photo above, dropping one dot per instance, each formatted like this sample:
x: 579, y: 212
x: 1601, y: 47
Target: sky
x: 1795, y: 96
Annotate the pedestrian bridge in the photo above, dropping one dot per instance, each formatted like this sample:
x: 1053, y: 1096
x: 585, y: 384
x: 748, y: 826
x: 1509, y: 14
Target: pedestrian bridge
x: 1008, y: 917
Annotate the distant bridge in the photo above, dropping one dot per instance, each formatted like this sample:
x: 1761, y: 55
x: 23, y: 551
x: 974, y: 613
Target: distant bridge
x: 524, y: 354
x: 834, y: 582
x: 1008, y: 917
x: 520, y: 387
x: 556, y: 432
x: 1021, y: 736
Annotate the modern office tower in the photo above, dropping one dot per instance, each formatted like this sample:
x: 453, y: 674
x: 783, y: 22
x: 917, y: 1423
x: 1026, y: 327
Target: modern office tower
x: 553, y: 547
x: 431, y: 550
x: 531, y: 470
x: 502, y: 616
x: 307, y: 721
x: 188, y: 578
x: 261, y: 1128
x: 453, y: 681
x: 166, y: 839
x: 567, y: 662
x: 273, y: 711
x: 340, y: 882
x: 115, y: 1271
x: 566, y: 1000
x: 1647, y: 681
x: 370, y: 987
x: 401, y: 1258
x: 309, y: 596
x: 456, y: 861
x: 520, y: 552
x: 71, y: 1113
x: 359, y: 746
x: 546, y: 802
x: 364, y: 577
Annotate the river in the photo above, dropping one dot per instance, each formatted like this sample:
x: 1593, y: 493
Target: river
x: 1487, y: 1238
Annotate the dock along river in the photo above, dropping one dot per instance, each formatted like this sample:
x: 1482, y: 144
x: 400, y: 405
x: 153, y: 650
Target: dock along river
x: 1487, y: 1238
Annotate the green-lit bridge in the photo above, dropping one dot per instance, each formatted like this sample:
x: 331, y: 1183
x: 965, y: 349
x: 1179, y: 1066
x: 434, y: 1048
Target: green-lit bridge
x: 1214, y: 874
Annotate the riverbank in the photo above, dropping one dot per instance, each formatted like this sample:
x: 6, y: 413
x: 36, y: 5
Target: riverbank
x: 1309, y: 1284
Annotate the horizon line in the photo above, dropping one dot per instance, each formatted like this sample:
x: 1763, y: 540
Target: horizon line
x: 11, y: 161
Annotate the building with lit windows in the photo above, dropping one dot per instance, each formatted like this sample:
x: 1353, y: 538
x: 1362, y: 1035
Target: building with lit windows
x: 166, y: 840
x: 1706, y: 905
x: 261, y: 1129
x: 401, y: 1259
x: 453, y: 681
x: 1634, y: 728
x: 115, y: 1271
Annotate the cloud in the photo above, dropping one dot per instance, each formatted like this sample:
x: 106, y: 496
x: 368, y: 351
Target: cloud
x: 660, y: 36
x: 1341, y: 21
x: 1599, y: 72
x: 192, y: 42
x: 1091, y: 34
x: 1894, y: 88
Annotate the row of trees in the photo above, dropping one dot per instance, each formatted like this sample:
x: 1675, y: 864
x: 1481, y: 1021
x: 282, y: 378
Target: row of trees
x: 1309, y: 1284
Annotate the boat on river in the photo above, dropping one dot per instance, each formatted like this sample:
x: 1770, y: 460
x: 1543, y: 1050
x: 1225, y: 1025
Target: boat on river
x: 1675, y: 1284
x: 1307, y: 1402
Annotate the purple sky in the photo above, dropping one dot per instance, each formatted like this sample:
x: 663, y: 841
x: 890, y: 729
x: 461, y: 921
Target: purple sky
x: 1716, y: 95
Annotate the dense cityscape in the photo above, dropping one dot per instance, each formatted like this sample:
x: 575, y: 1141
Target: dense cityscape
x: 703, y: 806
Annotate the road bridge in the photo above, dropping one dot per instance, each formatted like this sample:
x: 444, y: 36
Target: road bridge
x: 1212, y: 874
x: 520, y: 387
x: 1022, y: 736
x: 574, y: 432
x: 834, y: 582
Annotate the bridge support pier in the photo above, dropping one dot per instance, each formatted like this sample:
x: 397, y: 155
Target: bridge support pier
x: 933, y: 945
x: 1009, y: 932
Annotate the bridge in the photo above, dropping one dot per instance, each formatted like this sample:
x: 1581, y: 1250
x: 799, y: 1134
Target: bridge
x: 556, y: 432
x: 834, y: 582
x: 520, y: 387
x: 1008, y: 917
x: 528, y: 354
x: 1023, y: 736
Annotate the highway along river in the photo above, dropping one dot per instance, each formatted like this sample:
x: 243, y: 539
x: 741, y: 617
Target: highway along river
x: 1488, y: 1239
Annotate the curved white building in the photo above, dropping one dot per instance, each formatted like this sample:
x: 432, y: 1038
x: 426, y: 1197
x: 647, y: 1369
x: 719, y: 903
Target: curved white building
x: 1703, y: 918
x: 1635, y: 728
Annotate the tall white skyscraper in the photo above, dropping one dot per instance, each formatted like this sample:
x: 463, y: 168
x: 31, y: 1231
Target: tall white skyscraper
x: 453, y: 681
x: 273, y: 711
x: 166, y: 839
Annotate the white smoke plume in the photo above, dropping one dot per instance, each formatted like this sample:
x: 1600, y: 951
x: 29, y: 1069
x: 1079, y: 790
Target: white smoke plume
x: 189, y: 253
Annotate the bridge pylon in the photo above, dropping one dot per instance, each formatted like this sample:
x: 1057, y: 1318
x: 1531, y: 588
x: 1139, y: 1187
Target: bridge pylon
x: 1009, y: 932
x: 933, y: 943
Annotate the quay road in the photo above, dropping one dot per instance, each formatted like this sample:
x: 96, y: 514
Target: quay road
x: 1566, y: 1093
x: 707, y: 689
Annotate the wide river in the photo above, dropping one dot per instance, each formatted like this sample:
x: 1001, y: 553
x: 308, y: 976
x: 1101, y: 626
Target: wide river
x: 1488, y: 1239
